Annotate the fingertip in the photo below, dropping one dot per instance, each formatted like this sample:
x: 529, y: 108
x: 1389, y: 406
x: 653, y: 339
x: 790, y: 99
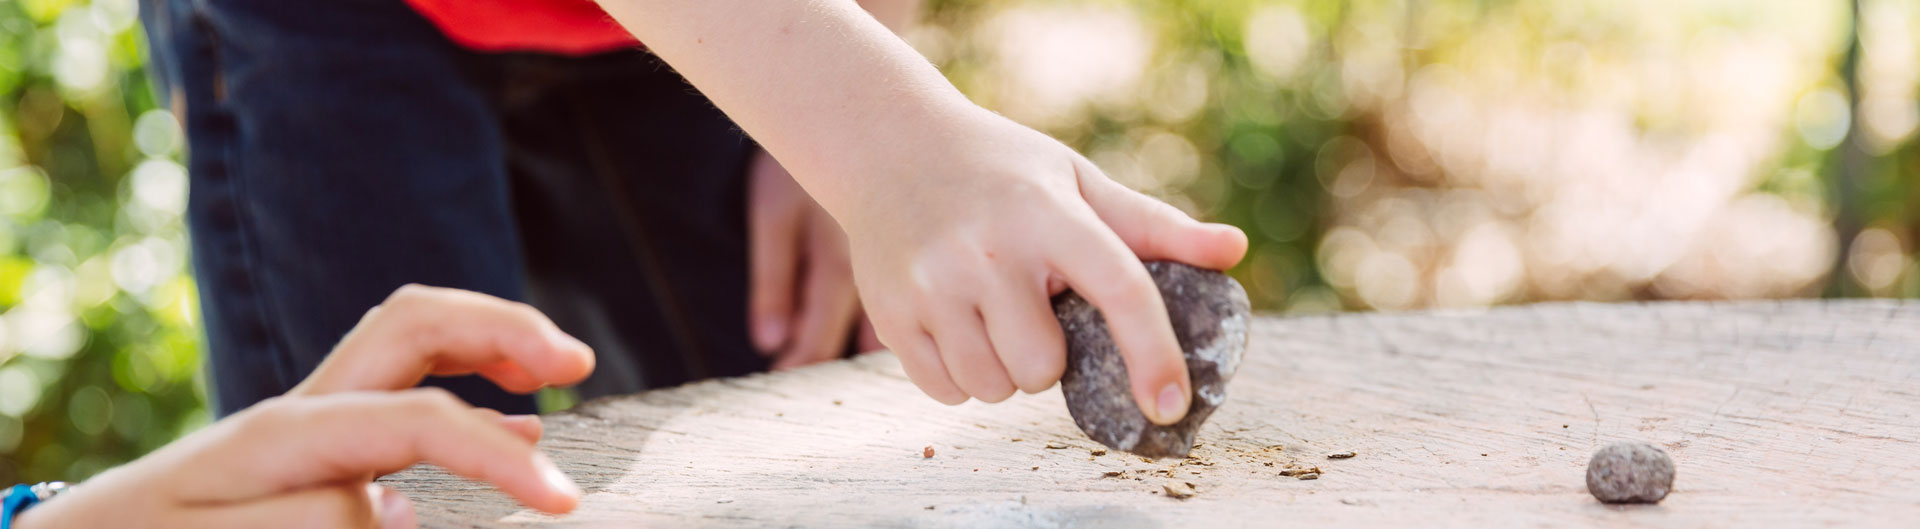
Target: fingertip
x: 950, y: 399
x: 572, y: 359
x: 1046, y: 369
x: 868, y: 343
x: 921, y: 360
x: 784, y: 362
x: 1161, y: 384
x: 527, y: 427
x: 1212, y: 245
x: 510, y: 377
x: 998, y: 395
x: 563, y: 502
x: 395, y: 510
x: 562, y: 493
x: 944, y: 390
x: 1230, y: 244
x: 1170, y: 405
x: 769, y: 333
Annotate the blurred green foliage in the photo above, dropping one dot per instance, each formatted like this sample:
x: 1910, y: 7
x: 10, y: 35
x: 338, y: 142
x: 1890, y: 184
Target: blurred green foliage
x: 99, y: 354
x: 1397, y: 154
x: 1380, y: 154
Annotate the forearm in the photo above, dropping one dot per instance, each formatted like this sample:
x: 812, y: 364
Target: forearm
x: 814, y: 81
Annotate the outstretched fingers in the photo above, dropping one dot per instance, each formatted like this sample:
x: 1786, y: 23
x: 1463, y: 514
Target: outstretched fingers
x: 296, y: 444
x: 426, y: 330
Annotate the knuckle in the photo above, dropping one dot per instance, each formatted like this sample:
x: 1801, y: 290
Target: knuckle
x: 409, y: 294
x: 371, y: 315
x: 424, y: 335
x: 961, y: 279
x: 525, y: 311
x: 1125, y: 290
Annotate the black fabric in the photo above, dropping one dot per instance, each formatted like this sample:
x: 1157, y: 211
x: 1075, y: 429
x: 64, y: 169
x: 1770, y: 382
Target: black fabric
x: 341, y: 149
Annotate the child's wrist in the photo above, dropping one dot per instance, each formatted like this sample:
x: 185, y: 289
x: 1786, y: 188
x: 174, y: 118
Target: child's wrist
x: 873, y: 145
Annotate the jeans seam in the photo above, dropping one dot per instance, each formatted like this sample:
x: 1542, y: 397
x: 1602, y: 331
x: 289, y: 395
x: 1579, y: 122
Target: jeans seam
x: 277, y: 352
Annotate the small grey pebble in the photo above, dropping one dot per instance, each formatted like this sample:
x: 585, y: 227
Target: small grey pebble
x: 1630, y: 473
x: 1209, y: 312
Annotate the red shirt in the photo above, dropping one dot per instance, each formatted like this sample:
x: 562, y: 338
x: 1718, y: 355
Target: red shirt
x: 573, y: 27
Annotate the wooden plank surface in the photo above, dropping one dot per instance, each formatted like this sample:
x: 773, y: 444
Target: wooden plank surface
x: 1777, y: 414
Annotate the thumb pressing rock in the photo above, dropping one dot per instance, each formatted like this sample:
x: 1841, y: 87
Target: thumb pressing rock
x: 1209, y: 312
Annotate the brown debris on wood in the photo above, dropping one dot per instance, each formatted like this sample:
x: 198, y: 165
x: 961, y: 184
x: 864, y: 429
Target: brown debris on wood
x: 1294, y: 471
x: 926, y: 452
x: 1342, y: 455
x: 1178, y: 490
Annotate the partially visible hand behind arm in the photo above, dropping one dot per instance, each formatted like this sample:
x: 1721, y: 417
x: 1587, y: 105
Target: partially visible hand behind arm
x: 961, y: 222
x: 802, y: 305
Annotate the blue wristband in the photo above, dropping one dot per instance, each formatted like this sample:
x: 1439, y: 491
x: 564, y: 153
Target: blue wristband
x: 19, y: 498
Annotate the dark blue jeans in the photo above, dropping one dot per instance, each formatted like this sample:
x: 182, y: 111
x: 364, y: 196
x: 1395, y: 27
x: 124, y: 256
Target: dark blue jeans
x: 340, y: 149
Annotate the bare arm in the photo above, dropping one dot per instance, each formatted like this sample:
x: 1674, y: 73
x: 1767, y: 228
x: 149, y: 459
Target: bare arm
x: 801, y: 298
x: 960, y: 222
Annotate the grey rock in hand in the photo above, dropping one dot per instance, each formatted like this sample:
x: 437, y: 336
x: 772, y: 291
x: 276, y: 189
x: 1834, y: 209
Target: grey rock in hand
x: 1630, y: 473
x: 1210, y: 314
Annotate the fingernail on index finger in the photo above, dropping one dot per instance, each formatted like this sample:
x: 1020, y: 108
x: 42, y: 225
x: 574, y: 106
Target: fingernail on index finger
x: 1171, y: 404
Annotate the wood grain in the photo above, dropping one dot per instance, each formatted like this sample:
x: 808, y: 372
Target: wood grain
x: 1777, y: 414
